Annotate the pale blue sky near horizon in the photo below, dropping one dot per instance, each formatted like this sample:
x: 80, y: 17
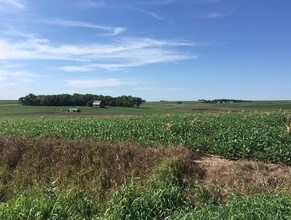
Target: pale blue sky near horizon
x: 154, y: 49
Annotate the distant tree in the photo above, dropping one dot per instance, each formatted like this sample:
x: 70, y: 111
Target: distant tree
x: 138, y: 101
x: 65, y: 100
x: 80, y: 100
x: 30, y: 99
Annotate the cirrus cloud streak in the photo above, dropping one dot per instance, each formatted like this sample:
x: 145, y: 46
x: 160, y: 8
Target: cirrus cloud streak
x: 114, y: 55
x: 68, y: 23
x: 11, y: 4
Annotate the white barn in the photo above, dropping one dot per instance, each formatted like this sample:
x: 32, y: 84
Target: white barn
x: 98, y: 104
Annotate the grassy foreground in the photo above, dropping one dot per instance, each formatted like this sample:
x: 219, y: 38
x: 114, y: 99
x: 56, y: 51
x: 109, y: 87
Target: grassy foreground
x: 60, y: 179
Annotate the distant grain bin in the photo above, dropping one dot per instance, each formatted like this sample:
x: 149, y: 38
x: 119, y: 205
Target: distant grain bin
x: 98, y: 104
x: 73, y: 110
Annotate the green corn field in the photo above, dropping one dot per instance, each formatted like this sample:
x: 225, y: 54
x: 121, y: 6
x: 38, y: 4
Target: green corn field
x: 145, y: 167
x: 261, y: 136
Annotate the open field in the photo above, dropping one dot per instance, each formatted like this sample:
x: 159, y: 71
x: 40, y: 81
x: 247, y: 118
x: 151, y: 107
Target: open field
x: 12, y: 110
x: 261, y: 136
x: 159, y: 161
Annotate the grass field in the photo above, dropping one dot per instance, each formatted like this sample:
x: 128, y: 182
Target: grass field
x: 12, y: 110
x: 161, y: 161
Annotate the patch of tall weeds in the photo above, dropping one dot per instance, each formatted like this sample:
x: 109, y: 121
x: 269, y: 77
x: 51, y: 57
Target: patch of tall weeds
x: 263, y: 207
x: 158, y: 196
x: 96, y: 168
x: 49, y: 204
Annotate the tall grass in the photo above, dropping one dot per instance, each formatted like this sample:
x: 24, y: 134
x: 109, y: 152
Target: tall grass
x: 41, y: 206
x: 97, y: 168
x: 94, y: 167
x: 152, y: 202
x: 61, y: 179
x: 131, y: 202
x: 264, y: 207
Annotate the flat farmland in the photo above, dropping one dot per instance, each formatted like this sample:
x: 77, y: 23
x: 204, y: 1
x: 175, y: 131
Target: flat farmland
x: 163, y: 160
x: 13, y: 110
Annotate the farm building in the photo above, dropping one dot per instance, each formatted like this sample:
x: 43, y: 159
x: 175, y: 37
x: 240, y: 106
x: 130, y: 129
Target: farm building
x: 98, y: 104
x: 74, y: 110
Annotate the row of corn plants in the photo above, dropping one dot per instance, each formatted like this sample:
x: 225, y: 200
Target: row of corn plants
x: 260, y: 136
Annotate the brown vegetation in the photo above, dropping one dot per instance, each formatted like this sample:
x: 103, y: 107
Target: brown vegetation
x: 91, y: 166
x: 245, y: 177
x: 288, y: 125
x: 97, y: 168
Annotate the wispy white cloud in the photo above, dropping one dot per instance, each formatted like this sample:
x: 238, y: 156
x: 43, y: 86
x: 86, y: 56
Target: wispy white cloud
x: 133, y: 52
x: 218, y: 15
x: 9, y: 4
x: 69, y: 23
x: 12, y: 31
x: 105, y: 4
x: 26, y: 50
x: 98, y: 83
x: 151, y: 14
x: 116, y: 31
x: 78, y: 68
x: 90, y: 3
x: 116, y: 55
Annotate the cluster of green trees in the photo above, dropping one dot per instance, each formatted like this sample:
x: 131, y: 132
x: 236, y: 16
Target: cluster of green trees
x: 79, y: 100
x: 222, y: 101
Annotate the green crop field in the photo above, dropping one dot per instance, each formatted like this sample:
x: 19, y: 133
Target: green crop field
x: 163, y: 160
x: 13, y: 110
x: 232, y: 135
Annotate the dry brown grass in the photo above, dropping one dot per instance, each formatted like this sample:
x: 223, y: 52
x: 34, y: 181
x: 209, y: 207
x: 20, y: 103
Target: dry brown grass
x: 92, y: 166
x: 97, y: 168
x: 245, y: 177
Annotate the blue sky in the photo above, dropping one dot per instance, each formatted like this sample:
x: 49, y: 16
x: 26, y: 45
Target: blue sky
x: 154, y: 49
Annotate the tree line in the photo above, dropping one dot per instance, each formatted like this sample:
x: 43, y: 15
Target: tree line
x: 222, y: 101
x: 79, y: 100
